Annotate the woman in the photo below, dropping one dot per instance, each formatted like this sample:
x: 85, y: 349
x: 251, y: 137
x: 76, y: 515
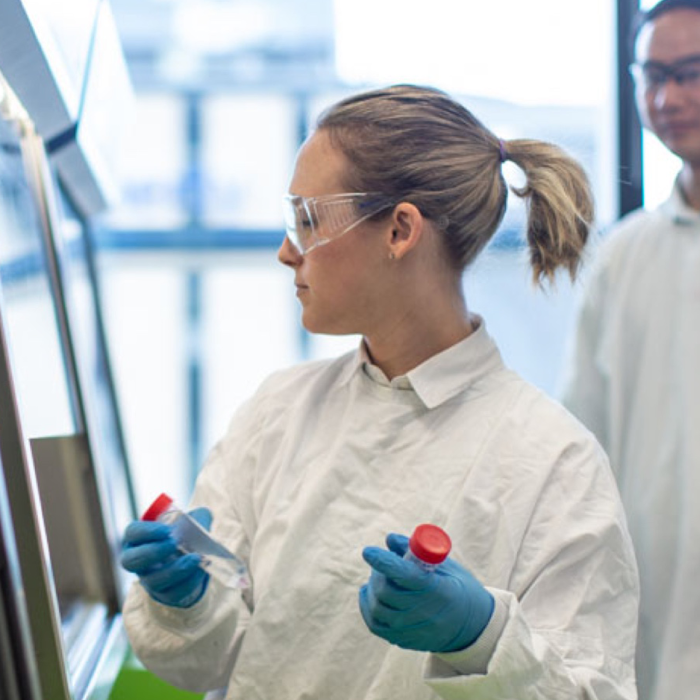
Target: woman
x: 393, y: 196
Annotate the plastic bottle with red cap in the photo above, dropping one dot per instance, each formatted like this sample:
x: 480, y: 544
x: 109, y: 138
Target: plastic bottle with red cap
x: 428, y: 546
x: 190, y: 536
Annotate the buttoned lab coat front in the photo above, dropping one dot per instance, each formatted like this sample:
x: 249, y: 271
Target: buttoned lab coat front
x: 634, y: 380
x: 329, y: 457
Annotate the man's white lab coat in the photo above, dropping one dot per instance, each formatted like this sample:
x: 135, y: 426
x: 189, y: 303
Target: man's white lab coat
x: 634, y: 379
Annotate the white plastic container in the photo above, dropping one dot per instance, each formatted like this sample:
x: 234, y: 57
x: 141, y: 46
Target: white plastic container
x: 190, y: 536
x: 428, y: 546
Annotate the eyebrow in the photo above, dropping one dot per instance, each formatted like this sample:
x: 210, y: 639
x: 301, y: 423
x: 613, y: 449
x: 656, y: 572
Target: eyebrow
x: 692, y: 58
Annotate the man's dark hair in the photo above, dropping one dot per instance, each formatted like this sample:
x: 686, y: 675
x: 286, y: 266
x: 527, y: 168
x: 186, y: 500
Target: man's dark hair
x: 661, y: 8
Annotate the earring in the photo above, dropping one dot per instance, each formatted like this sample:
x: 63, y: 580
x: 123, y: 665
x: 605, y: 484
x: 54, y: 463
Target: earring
x: 392, y: 256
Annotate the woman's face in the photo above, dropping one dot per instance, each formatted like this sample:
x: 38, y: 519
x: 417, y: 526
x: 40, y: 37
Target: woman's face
x: 338, y: 284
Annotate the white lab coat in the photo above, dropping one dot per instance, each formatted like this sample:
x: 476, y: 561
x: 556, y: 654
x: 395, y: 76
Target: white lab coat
x: 634, y: 380
x: 328, y: 458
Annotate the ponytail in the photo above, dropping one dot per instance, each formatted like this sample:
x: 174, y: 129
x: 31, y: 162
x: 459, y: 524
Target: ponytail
x: 560, y: 207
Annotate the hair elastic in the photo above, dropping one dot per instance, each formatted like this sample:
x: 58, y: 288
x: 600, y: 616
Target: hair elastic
x: 502, y: 150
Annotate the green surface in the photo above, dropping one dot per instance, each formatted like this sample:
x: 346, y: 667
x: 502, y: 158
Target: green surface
x: 134, y: 682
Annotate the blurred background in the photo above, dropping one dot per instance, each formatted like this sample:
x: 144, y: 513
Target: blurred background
x: 145, y: 147
x: 197, y: 309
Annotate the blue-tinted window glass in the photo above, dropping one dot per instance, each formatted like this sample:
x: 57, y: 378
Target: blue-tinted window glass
x: 43, y: 385
x: 99, y: 402
x: 154, y: 166
x: 249, y: 142
x: 145, y: 311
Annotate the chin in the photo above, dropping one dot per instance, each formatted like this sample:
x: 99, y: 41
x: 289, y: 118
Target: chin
x: 314, y: 325
x: 686, y: 149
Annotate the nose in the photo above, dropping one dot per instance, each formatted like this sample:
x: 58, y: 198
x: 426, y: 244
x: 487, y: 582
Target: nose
x: 288, y: 254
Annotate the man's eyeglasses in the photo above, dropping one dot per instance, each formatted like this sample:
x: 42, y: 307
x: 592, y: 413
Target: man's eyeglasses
x: 653, y: 75
x: 314, y: 221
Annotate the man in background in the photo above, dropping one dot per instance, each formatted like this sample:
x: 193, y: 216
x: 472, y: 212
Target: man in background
x: 634, y: 376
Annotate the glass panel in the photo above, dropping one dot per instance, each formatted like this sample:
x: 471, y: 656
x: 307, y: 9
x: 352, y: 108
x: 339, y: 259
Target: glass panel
x: 43, y: 388
x: 99, y: 402
x: 43, y: 384
x: 70, y: 25
x: 248, y: 149
x: 145, y: 310
x: 66, y: 562
x: 154, y: 166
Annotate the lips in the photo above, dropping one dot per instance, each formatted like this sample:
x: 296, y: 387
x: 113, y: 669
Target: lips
x: 678, y: 128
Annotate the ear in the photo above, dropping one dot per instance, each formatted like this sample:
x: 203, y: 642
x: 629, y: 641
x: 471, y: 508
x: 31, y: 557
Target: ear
x: 407, y: 225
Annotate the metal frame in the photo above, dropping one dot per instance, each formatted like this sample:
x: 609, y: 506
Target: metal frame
x: 19, y: 675
x: 629, y: 130
x: 44, y: 633
x: 59, y: 659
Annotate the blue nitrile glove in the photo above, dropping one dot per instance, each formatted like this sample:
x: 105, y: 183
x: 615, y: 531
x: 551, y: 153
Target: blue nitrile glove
x: 439, y: 611
x: 169, y: 575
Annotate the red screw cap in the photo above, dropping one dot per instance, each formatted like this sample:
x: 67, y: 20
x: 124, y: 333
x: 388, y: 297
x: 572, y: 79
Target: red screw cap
x: 158, y: 507
x: 430, y: 543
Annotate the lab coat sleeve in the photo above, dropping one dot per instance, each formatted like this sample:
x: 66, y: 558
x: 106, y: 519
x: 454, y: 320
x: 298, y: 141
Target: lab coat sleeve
x: 196, y: 648
x: 193, y: 649
x: 525, y: 666
x: 571, y: 618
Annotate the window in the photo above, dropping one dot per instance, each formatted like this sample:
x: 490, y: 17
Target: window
x: 199, y: 313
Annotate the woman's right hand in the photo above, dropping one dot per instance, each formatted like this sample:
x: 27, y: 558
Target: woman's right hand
x: 170, y: 576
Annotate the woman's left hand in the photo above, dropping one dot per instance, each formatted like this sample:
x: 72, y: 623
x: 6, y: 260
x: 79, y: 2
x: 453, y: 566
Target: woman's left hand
x: 439, y: 611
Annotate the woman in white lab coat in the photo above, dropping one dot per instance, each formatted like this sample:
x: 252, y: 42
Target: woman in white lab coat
x: 393, y: 196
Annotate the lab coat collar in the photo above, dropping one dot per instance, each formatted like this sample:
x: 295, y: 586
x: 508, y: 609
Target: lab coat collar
x: 442, y: 376
x: 676, y: 208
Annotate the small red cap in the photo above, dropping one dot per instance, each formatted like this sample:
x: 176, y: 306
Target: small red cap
x: 430, y: 543
x: 158, y: 507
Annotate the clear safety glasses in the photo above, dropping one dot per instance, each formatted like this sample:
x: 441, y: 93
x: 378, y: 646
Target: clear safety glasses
x: 315, y: 221
x: 651, y: 76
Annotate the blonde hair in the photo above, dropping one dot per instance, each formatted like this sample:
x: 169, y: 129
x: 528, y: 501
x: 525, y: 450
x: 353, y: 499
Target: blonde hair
x: 417, y: 144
